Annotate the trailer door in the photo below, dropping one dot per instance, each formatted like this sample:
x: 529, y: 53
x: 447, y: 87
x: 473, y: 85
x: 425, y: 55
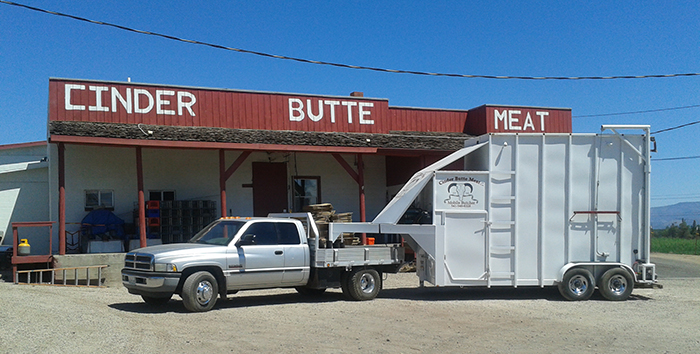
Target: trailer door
x: 465, y: 246
x: 460, y: 202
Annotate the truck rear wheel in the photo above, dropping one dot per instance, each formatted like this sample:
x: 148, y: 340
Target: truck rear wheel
x: 199, y: 292
x: 578, y: 284
x: 363, y: 284
x: 616, y: 284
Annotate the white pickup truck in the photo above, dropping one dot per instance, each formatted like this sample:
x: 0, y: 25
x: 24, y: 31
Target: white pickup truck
x: 233, y: 254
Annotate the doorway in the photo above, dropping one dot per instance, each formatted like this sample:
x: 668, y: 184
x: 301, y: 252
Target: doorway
x: 269, y: 188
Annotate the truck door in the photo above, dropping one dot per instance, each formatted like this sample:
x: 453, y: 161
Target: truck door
x: 296, y: 254
x: 260, y: 257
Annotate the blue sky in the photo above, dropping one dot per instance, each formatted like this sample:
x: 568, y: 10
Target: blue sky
x: 544, y: 38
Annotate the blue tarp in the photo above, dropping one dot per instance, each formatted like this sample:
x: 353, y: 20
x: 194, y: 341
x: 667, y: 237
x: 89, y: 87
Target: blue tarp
x: 103, y: 221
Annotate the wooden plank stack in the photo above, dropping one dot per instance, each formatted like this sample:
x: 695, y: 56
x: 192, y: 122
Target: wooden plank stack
x: 324, y: 214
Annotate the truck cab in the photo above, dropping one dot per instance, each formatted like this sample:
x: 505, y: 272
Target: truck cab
x: 229, y: 255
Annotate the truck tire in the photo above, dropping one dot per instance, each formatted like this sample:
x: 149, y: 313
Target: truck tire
x: 616, y: 284
x: 363, y: 284
x: 199, y: 292
x: 578, y: 284
x: 155, y: 301
x: 310, y: 291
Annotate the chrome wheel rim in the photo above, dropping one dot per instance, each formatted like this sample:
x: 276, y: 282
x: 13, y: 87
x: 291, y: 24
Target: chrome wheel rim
x: 578, y: 285
x: 205, y: 292
x: 367, y: 283
x: 617, y: 285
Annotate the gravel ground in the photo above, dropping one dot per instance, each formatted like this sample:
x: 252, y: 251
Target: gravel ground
x: 403, y: 319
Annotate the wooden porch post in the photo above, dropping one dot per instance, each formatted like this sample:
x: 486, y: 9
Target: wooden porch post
x: 61, y: 200
x: 142, y: 199
x: 222, y: 180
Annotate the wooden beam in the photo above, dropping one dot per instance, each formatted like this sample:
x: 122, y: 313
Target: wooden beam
x: 347, y: 167
x: 236, y: 164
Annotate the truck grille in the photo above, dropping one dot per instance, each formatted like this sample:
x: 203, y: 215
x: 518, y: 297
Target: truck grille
x: 138, y: 261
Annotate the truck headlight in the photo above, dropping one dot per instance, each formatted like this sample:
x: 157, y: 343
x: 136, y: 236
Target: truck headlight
x: 165, y: 267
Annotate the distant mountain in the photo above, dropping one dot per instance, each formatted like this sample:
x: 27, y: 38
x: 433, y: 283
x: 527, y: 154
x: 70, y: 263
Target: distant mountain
x: 661, y: 217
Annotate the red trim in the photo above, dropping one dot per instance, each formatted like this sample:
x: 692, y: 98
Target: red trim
x: 208, y: 145
x: 347, y: 167
x: 21, y: 145
x: 414, y: 153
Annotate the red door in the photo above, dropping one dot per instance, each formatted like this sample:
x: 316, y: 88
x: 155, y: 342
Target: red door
x: 269, y: 188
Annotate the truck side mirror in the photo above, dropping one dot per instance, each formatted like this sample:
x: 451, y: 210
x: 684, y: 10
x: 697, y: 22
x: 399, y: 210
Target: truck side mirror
x: 246, y: 240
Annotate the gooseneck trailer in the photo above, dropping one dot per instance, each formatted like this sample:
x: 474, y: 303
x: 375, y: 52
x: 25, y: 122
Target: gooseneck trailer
x: 570, y: 210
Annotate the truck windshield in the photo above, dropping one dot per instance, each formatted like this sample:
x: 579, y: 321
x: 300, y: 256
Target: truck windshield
x: 218, y: 233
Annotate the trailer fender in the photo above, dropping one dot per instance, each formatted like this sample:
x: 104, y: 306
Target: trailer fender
x: 594, y: 267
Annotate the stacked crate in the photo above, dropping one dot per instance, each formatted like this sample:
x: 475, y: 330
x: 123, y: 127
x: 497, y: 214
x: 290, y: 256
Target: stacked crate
x: 324, y: 214
x: 182, y: 219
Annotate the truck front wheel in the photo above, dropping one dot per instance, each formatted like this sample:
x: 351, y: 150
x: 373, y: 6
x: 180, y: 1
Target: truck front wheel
x: 363, y: 284
x: 199, y: 292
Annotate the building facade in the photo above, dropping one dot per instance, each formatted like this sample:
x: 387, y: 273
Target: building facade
x: 168, y: 159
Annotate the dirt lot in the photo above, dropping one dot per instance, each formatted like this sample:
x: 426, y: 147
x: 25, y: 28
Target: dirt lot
x: 404, y: 319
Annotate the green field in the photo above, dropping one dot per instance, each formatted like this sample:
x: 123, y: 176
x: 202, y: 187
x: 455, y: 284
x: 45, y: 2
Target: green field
x: 675, y: 245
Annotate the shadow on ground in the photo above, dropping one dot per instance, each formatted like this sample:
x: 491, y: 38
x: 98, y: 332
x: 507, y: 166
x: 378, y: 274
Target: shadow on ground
x: 412, y: 294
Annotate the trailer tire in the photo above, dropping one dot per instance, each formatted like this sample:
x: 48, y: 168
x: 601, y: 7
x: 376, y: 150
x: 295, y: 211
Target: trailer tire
x: 156, y: 301
x: 363, y: 284
x: 200, y: 291
x: 310, y: 291
x: 578, y: 284
x: 616, y: 284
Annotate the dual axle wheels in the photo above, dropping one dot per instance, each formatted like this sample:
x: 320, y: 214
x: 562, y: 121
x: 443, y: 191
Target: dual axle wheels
x: 615, y: 284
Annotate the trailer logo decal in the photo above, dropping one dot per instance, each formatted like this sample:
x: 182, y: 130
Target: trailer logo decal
x: 460, y: 195
x: 459, y: 192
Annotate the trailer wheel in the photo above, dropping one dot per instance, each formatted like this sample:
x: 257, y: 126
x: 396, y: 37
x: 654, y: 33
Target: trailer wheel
x: 616, y: 284
x: 363, y: 284
x: 578, y: 284
x: 199, y: 292
x: 155, y: 301
x: 310, y: 291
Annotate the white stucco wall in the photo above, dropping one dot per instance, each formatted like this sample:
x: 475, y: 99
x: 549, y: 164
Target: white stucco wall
x: 24, y: 194
x: 194, y: 175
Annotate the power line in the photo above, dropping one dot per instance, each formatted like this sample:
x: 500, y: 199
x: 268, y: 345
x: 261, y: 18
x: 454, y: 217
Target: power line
x: 348, y: 66
x: 636, y: 112
x: 677, y: 158
x: 676, y: 127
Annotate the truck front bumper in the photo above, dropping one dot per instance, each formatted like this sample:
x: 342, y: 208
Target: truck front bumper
x: 154, y: 284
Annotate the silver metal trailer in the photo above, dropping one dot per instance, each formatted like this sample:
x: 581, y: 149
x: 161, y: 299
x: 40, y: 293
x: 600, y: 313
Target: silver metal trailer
x: 532, y: 210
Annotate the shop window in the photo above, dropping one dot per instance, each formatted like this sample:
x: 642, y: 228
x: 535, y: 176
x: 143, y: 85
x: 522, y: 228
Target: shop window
x: 307, y: 191
x: 161, y: 195
x: 99, y: 199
